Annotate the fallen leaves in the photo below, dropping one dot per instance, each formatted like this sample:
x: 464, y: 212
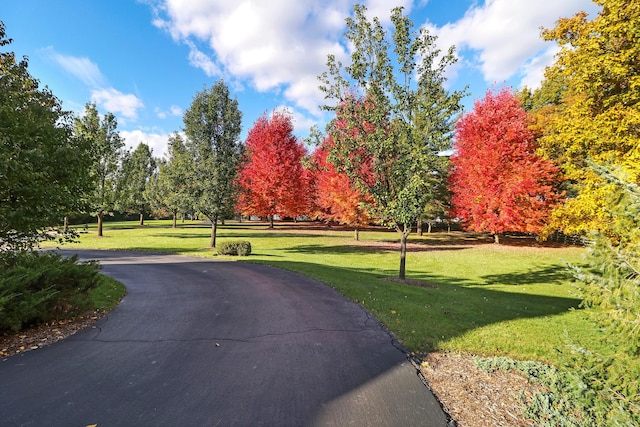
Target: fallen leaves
x: 44, y: 334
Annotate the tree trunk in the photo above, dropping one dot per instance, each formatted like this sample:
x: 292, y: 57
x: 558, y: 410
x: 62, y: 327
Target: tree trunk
x: 404, y: 233
x: 141, y: 218
x: 356, y: 235
x: 496, y: 239
x: 175, y: 220
x: 419, y: 227
x: 66, y: 224
x: 214, y: 230
x: 100, y: 215
x: 270, y: 221
x: 429, y: 227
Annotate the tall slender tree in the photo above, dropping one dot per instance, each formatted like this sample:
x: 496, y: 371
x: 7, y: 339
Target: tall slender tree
x: 272, y: 179
x: 212, y: 126
x: 498, y: 181
x: 137, y: 168
x: 106, y: 148
x: 400, y: 117
x: 172, y: 187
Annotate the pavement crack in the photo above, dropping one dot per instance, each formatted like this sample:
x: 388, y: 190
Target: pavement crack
x: 250, y: 339
x: 372, y: 321
x: 306, y: 331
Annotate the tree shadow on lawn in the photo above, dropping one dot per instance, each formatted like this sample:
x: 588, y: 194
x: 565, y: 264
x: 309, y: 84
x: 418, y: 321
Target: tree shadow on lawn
x: 223, y: 234
x: 467, y: 238
x: 548, y: 274
x: 444, y: 309
x: 365, y: 247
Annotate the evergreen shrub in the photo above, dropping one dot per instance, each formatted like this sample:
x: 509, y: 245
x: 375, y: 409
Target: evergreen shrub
x: 239, y: 247
x: 39, y: 287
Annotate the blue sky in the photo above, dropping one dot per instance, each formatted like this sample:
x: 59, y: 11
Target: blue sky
x: 145, y: 60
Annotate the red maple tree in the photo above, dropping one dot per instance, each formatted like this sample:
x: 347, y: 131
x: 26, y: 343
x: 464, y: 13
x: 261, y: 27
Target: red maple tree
x: 498, y: 183
x: 337, y: 199
x: 273, y: 180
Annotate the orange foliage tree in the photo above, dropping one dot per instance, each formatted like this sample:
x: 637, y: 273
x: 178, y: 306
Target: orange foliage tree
x: 337, y: 198
x: 272, y: 179
x: 498, y: 183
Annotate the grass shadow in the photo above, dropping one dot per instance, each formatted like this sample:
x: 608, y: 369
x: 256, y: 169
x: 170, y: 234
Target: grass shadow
x: 364, y: 248
x: 223, y: 234
x: 533, y: 276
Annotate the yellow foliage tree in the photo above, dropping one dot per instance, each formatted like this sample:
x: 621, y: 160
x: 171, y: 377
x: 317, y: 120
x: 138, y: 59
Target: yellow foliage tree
x: 588, y: 108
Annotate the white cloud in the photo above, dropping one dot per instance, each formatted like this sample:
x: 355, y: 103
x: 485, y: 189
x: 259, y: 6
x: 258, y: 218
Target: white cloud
x: 80, y: 67
x: 156, y: 141
x: 382, y: 8
x: 278, y: 46
x: 174, y: 111
x: 281, y: 46
x: 503, y: 36
x: 161, y: 114
x: 127, y: 105
x: 533, y: 71
x: 114, y: 101
x: 200, y: 60
x: 301, y: 122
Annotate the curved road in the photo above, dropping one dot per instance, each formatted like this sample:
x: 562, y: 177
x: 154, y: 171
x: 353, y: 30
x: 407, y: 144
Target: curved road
x: 208, y: 343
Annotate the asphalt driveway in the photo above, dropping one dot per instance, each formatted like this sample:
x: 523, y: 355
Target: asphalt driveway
x: 207, y: 343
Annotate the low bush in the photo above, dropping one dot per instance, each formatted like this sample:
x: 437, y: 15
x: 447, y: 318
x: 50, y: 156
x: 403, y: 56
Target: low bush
x: 577, y: 394
x: 39, y: 287
x: 239, y: 247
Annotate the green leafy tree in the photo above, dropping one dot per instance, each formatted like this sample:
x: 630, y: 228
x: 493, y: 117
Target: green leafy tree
x: 437, y: 208
x: 393, y: 116
x: 106, y: 149
x: 171, y: 186
x: 42, y: 167
x: 212, y: 126
x: 137, y: 168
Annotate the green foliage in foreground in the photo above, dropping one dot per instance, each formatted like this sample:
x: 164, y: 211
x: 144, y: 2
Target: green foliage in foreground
x: 43, y: 169
x: 40, y: 287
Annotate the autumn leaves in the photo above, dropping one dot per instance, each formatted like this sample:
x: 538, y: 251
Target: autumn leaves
x: 498, y: 182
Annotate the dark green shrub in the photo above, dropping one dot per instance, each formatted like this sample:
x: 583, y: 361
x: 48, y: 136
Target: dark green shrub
x: 37, y: 287
x: 239, y: 247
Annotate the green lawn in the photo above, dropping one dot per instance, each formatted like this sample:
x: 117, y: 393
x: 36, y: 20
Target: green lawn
x: 512, y: 300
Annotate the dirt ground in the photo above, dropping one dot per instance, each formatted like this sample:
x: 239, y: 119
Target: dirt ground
x: 473, y: 397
